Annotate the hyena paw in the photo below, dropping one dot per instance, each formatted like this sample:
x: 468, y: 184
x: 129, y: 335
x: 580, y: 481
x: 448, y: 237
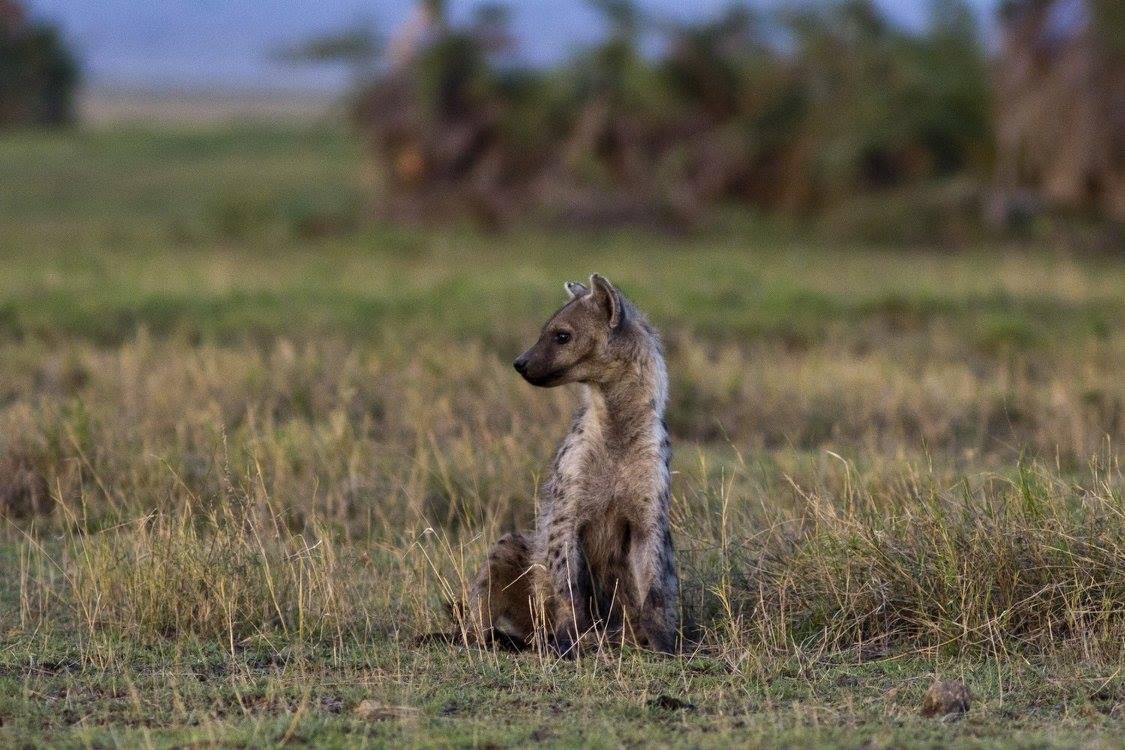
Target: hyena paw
x: 564, y: 644
x: 662, y: 642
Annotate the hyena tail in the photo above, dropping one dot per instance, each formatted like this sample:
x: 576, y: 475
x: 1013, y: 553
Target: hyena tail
x: 498, y: 609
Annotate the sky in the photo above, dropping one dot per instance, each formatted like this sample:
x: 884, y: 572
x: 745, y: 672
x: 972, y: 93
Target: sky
x: 227, y: 44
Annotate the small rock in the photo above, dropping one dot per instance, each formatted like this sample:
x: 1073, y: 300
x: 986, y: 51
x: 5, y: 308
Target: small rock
x: 332, y: 705
x: 946, y: 698
x: 372, y: 710
x: 670, y: 703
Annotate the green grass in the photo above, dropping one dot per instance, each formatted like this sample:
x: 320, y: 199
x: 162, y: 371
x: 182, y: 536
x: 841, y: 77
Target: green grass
x: 192, y: 692
x: 250, y: 443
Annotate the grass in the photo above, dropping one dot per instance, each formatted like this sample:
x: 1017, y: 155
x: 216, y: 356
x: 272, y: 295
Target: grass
x: 250, y: 444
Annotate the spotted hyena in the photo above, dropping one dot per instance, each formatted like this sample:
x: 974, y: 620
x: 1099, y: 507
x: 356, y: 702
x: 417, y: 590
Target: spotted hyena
x: 600, y: 559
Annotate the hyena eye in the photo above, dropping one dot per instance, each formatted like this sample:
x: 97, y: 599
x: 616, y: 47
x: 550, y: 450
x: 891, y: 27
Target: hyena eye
x: 561, y: 337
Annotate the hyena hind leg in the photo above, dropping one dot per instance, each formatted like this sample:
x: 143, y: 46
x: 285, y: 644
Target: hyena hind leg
x: 499, y: 605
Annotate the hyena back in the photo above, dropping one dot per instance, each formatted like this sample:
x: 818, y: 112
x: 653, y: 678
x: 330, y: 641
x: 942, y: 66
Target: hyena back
x: 601, y: 556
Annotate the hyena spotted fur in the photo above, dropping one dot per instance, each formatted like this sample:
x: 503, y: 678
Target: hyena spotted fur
x: 601, y: 558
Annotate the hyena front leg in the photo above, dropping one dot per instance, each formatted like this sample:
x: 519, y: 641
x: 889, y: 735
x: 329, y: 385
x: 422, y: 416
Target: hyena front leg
x: 656, y: 589
x: 500, y: 601
x: 571, y: 587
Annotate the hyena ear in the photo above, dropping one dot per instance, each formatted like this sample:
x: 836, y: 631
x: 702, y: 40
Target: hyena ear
x: 607, y: 297
x: 575, y: 289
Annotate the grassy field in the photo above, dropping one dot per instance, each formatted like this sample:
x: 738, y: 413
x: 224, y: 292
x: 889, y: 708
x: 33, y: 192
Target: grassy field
x: 249, y: 446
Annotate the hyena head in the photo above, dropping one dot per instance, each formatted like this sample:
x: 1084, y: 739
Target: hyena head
x: 585, y: 340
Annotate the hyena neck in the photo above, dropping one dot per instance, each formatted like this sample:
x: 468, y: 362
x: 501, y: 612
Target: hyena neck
x: 628, y: 409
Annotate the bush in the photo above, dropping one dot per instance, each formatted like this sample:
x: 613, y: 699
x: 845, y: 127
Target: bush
x: 849, y: 103
x: 38, y: 74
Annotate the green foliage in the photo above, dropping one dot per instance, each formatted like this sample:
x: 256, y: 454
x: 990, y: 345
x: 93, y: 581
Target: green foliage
x: 353, y: 46
x: 883, y: 107
x: 38, y: 76
x: 356, y: 48
x: 797, y: 109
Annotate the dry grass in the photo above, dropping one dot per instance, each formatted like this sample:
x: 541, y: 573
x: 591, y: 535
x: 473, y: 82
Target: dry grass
x: 328, y: 492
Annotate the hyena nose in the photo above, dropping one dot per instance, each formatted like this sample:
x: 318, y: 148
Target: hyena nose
x: 521, y: 365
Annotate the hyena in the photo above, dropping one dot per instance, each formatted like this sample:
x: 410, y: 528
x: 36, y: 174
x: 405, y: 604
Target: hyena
x: 601, y: 557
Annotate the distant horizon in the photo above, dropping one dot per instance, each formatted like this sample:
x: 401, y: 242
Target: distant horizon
x: 209, y: 45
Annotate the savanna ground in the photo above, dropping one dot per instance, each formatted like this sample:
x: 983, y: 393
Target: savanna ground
x: 249, y: 447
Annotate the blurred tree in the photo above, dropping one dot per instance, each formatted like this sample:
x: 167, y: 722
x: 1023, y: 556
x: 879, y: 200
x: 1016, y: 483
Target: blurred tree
x: 1060, y: 82
x: 734, y: 92
x: 620, y: 125
x: 795, y: 110
x: 885, y: 107
x: 357, y: 47
x: 434, y: 117
x: 38, y: 75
